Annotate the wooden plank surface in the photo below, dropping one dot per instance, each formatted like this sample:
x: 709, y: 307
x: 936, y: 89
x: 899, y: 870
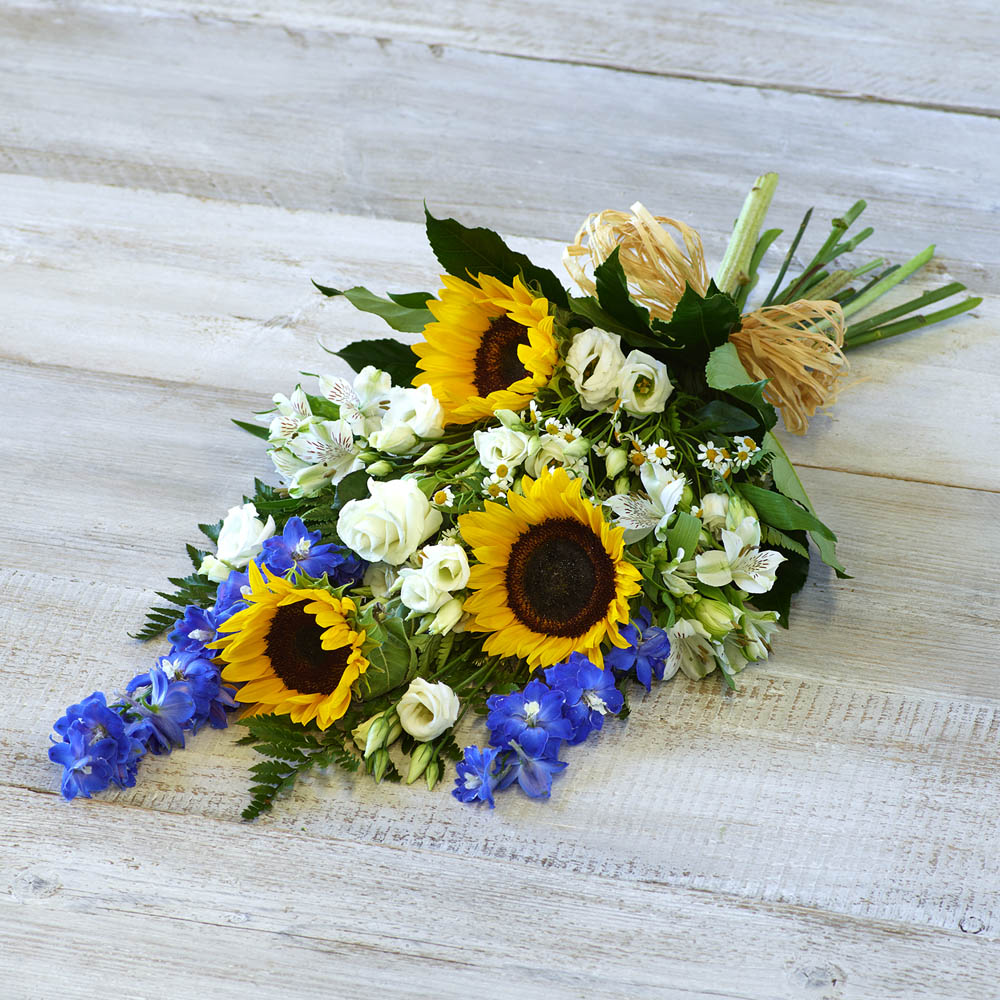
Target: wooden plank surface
x: 171, y: 177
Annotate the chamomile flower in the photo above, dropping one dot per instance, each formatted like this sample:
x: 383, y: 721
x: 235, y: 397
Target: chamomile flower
x: 636, y: 457
x: 746, y: 449
x: 570, y: 433
x: 601, y: 448
x: 495, y: 487
x: 714, y: 459
x: 662, y: 452
x: 443, y: 497
x: 553, y: 426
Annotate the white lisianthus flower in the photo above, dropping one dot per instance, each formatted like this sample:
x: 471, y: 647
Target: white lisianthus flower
x: 446, y: 566
x: 241, y: 539
x: 616, y: 459
x: 714, y: 507
x: 448, y: 616
x: 390, y: 524
x: 555, y: 451
x: 502, y: 446
x: 419, y: 593
x: 328, y: 444
x: 594, y: 362
x: 427, y: 710
x: 412, y: 415
x: 643, y: 384
x: 691, y: 650
x: 740, y: 562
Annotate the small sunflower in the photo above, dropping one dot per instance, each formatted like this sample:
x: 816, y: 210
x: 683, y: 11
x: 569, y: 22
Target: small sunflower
x: 491, y: 347
x: 293, y: 650
x: 552, y: 578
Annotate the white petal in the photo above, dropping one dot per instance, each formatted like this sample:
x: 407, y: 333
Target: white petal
x: 713, y: 569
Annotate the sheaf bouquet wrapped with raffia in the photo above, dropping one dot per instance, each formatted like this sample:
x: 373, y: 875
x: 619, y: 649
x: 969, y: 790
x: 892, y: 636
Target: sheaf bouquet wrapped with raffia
x: 549, y: 499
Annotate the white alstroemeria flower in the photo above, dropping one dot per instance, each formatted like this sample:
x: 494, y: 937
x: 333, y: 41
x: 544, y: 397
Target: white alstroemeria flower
x: 639, y: 516
x: 757, y: 627
x: 446, y: 566
x: 691, y: 650
x: 419, y: 593
x: 287, y: 465
x: 501, y: 448
x: 294, y: 413
x: 714, y: 507
x: 594, y: 362
x: 643, y: 384
x: 330, y: 445
x: 362, y: 403
x: 675, y: 578
x: 413, y: 415
x: 427, y: 710
x: 731, y: 655
x: 741, y: 562
x: 241, y: 539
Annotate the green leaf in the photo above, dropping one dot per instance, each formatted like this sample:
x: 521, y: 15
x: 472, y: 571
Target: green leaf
x: 389, y: 355
x: 791, y: 578
x: 699, y: 323
x: 727, y: 418
x: 463, y: 251
x: 390, y: 664
x: 778, y: 510
x: 352, y: 487
x: 787, y: 481
x: 406, y: 313
x: 255, y: 429
x: 725, y: 372
x: 211, y: 531
x: 772, y: 536
x: 591, y: 309
x: 614, y: 299
x: 684, y: 534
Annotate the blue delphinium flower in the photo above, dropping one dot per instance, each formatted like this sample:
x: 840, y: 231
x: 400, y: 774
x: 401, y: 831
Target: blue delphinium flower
x: 590, y: 694
x: 195, y: 630
x: 532, y: 716
x: 647, y: 651
x: 167, y: 705
x: 211, y: 699
x: 229, y: 598
x: 475, y: 779
x: 297, y: 547
x: 533, y: 772
x: 98, y: 748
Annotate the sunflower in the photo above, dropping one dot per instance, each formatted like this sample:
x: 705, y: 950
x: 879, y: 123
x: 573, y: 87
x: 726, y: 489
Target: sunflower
x: 552, y: 578
x: 491, y: 348
x: 293, y: 650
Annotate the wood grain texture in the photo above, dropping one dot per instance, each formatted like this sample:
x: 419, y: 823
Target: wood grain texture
x: 374, y: 919
x: 132, y: 283
x: 309, y: 119
x: 892, y: 52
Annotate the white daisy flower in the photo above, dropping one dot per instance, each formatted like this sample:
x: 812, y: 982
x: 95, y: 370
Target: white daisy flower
x: 745, y: 450
x: 495, y: 487
x: 661, y: 452
x: 443, y: 497
x: 714, y: 458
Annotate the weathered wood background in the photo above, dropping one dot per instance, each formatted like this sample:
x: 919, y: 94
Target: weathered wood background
x: 173, y: 174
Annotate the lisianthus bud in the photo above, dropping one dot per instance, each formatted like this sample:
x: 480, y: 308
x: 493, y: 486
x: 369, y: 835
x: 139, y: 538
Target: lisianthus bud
x: 616, y: 460
x: 433, y: 455
x: 739, y: 509
x: 713, y: 510
x: 380, y: 762
x: 380, y: 468
x: 718, y: 617
x: 432, y: 775
x: 377, y: 733
x: 419, y: 760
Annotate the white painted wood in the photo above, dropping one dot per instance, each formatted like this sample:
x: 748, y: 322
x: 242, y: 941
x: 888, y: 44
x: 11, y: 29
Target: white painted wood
x: 895, y: 51
x: 308, y: 119
x: 220, y: 295
x: 227, y: 911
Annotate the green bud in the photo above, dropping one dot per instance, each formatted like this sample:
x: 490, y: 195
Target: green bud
x: 377, y: 733
x: 705, y: 540
x: 432, y: 774
x: 377, y: 469
x: 738, y: 510
x: 419, y: 760
x: 433, y: 455
x: 395, y: 731
x: 687, y: 498
x: 616, y: 460
x: 718, y: 617
x: 369, y: 456
x: 622, y: 484
x: 380, y: 761
x: 509, y: 419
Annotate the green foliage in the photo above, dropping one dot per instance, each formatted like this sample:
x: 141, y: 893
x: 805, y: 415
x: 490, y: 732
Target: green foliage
x: 192, y: 589
x: 613, y: 297
x: 463, y: 251
x: 726, y: 418
x: 698, y: 325
x: 291, y: 750
x: 772, y: 536
x: 684, y: 535
x: 255, y: 429
x: 407, y: 313
x: 389, y: 355
x: 391, y: 663
x: 725, y: 371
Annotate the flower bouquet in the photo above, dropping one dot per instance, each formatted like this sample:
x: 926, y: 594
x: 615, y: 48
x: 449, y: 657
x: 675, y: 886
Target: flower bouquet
x: 549, y: 498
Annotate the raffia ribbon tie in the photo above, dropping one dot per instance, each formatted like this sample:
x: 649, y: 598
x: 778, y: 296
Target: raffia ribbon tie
x: 657, y: 269
x: 799, y: 347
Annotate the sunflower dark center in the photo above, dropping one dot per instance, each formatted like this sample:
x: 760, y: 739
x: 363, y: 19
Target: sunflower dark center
x: 297, y: 655
x: 560, y: 580
x: 497, y: 364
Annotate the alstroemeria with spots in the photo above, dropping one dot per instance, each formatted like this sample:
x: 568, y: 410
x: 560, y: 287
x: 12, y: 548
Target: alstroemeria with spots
x: 740, y: 561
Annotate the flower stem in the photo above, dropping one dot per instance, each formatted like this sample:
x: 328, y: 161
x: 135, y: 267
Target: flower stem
x: 734, y: 271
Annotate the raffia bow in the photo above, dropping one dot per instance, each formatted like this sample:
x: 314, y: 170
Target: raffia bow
x: 799, y: 346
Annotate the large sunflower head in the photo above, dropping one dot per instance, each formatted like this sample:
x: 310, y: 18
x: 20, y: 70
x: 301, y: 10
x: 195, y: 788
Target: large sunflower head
x: 552, y: 577
x: 293, y: 650
x: 491, y: 347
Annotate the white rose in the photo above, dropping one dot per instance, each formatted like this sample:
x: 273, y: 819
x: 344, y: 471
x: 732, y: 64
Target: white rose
x: 419, y: 593
x: 240, y: 540
x: 448, y: 616
x: 555, y: 450
x: 643, y: 384
x: 390, y: 524
x: 427, y: 710
x: 503, y: 446
x: 412, y: 414
x: 594, y: 362
x: 446, y: 566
